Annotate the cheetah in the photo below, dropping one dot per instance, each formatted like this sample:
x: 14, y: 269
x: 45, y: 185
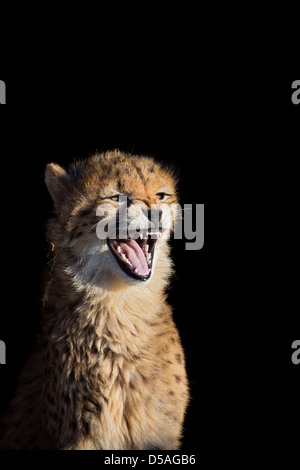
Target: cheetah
x: 108, y: 369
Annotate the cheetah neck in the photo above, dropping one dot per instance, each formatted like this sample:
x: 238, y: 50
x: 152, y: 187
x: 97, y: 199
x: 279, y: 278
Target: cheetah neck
x: 120, y: 320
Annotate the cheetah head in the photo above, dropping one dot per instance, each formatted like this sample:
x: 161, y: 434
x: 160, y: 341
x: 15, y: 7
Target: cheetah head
x: 114, y: 214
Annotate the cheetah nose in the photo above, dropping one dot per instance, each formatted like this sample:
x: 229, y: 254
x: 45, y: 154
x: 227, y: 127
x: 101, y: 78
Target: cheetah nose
x: 155, y: 215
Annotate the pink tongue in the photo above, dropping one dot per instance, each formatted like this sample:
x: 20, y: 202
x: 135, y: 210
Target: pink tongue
x: 135, y: 255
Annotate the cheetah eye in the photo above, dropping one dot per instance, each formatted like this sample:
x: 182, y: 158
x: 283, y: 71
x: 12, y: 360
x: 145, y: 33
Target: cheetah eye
x: 115, y: 198
x: 161, y: 196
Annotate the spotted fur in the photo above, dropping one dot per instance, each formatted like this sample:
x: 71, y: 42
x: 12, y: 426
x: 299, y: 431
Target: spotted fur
x: 108, y: 370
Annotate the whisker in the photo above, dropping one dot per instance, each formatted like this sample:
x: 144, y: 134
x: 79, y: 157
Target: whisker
x: 53, y: 259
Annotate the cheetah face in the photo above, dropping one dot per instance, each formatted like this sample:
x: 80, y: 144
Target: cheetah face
x: 134, y: 236
x: 125, y: 242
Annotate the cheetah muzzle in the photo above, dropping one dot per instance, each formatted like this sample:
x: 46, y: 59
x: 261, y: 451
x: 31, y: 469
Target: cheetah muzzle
x: 135, y: 256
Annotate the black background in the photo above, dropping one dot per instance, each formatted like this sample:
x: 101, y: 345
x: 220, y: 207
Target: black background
x: 235, y: 305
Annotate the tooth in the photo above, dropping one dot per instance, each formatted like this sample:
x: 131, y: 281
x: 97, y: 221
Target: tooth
x: 146, y: 248
x: 123, y: 257
x: 149, y: 256
x: 136, y: 271
x: 119, y: 249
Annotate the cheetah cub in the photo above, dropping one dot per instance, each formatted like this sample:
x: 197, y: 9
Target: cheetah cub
x: 108, y: 369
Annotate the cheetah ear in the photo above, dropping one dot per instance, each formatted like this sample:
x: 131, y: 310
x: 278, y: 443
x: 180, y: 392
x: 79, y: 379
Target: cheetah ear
x: 56, y: 180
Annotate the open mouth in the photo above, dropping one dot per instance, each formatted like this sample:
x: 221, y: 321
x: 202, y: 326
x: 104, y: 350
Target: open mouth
x: 135, y: 256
